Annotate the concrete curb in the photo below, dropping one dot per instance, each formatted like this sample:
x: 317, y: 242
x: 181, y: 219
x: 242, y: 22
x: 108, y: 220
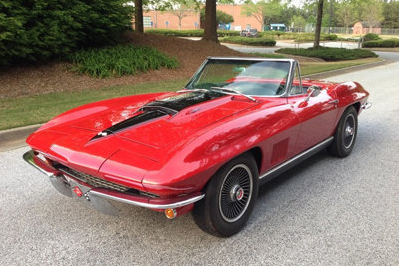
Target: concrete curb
x: 14, y: 138
x: 346, y: 70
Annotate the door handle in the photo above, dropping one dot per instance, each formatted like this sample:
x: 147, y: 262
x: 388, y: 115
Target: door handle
x: 334, y: 102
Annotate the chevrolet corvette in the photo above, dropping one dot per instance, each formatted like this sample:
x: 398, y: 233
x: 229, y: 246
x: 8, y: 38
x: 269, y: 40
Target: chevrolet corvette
x: 238, y: 123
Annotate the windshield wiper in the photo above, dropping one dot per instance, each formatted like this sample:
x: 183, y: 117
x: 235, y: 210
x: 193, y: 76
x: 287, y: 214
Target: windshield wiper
x: 192, y: 90
x: 231, y: 91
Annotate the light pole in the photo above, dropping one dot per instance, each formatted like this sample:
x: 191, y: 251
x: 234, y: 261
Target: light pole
x: 329, y: 18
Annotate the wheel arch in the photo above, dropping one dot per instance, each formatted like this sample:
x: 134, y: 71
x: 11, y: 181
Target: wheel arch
x: 356, y: 105
x: 255, y: 152
x: 258, y: 156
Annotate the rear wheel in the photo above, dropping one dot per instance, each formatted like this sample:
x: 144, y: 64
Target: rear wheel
x: 229, y: 198
x: 345, y: 136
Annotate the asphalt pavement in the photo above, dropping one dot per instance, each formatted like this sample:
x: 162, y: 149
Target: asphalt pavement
x: 326, y: 211
x: 391, y: 56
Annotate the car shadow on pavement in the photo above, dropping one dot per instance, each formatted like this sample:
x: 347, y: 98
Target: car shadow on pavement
x: 294, y: 172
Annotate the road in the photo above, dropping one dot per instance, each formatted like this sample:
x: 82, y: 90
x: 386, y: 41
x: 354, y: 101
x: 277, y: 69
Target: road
x: 326, y: 211
x: 349, y: 45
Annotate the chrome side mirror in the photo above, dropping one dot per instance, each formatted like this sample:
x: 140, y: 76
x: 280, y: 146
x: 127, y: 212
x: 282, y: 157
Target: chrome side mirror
x: 312, y: 91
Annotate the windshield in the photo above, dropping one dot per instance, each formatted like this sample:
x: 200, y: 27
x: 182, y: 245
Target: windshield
x: 249, y: 77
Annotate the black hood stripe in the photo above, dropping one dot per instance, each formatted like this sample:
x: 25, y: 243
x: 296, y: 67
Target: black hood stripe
x: 168, y: 106
x: 184, y: 100
x: 143, y: 117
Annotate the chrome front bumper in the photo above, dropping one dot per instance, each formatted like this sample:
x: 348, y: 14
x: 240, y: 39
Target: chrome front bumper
x: 367, y: 105
x: 98, y: 197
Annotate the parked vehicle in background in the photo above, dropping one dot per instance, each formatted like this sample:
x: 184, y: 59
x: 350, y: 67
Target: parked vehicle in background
x: 249, y: 33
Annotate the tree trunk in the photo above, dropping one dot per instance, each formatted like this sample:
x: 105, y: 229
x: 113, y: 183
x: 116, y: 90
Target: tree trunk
x: 138, y: 16
x: 210, y: 33
x: 318, y: 24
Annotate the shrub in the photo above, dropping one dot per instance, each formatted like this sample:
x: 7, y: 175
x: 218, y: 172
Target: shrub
x: 371, y: 37
x: 41, y: 29
x: 222, y: 33
x: 297, y: 36
x: 329, y: 37
x: 329, y: 54
x: 190, y: 33
x: 177, y: 33
x: 120, y: 60
x: 382, y: 43
x: 260, y: 41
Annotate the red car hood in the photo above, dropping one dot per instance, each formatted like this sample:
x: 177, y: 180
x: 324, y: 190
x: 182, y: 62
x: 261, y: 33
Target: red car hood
x: 82, y: 139
x: 166, y: 130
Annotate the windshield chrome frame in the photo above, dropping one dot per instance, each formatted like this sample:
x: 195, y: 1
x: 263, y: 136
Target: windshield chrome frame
x: 288, y: 82
x: 295, y: 66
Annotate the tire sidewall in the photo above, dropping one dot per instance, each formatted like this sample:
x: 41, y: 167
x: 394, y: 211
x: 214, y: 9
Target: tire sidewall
x: 223, y: 227
x: 341, y: 149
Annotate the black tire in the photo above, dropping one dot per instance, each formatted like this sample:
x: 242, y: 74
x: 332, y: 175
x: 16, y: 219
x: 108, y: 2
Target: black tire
x: 345, y: 135
x: 229, y: 197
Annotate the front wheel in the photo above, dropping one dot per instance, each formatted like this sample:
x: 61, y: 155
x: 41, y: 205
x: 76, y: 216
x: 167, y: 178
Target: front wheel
x: 345, y: 135
x: 229, y: 198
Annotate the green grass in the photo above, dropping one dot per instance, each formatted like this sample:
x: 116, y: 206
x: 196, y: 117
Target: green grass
x: 120, y: 60
x: 30, y: 110
x: 329, y: 54
x: 319, y: 67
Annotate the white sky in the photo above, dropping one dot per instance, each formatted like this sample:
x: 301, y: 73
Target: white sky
x: 297, y: 3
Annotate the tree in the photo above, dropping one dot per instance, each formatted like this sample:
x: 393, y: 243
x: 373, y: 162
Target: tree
x: 210, y: 24
x: 371, y: 12
x: 318, y: 24
x: 391, y: 15
x: 138, y: 16
x: 264, y: 11
x: 221, y: 17
x: 42, y: 29
x: 297, y: 21
x: 182, y: 9
x: 345, y: 12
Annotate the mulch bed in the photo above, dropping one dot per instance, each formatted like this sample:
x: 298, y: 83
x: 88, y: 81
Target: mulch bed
x: 55, y: 76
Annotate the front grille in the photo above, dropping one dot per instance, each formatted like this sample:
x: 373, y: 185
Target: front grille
x: 99, y: 182
x: 92, y: 180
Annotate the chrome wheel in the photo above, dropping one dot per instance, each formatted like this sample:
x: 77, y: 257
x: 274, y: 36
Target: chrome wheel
x: 230, y: 197
x: 236, y: 192
x: 350, y: 129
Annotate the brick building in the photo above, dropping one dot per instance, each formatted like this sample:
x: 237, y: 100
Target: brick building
x: 360, y: 28
x: 167, y: 20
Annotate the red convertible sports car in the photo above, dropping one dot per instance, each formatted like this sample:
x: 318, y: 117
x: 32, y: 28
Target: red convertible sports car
x: 238, y: 122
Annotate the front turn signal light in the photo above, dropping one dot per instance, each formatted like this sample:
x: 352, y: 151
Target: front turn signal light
x: 170, y: 213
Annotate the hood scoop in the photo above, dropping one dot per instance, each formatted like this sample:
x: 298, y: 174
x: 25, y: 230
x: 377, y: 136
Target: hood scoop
x: 184, y: 100
x: 159, y: 108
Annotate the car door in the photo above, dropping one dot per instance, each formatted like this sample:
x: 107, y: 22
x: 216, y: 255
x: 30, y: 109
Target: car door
x: 317, y: 113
